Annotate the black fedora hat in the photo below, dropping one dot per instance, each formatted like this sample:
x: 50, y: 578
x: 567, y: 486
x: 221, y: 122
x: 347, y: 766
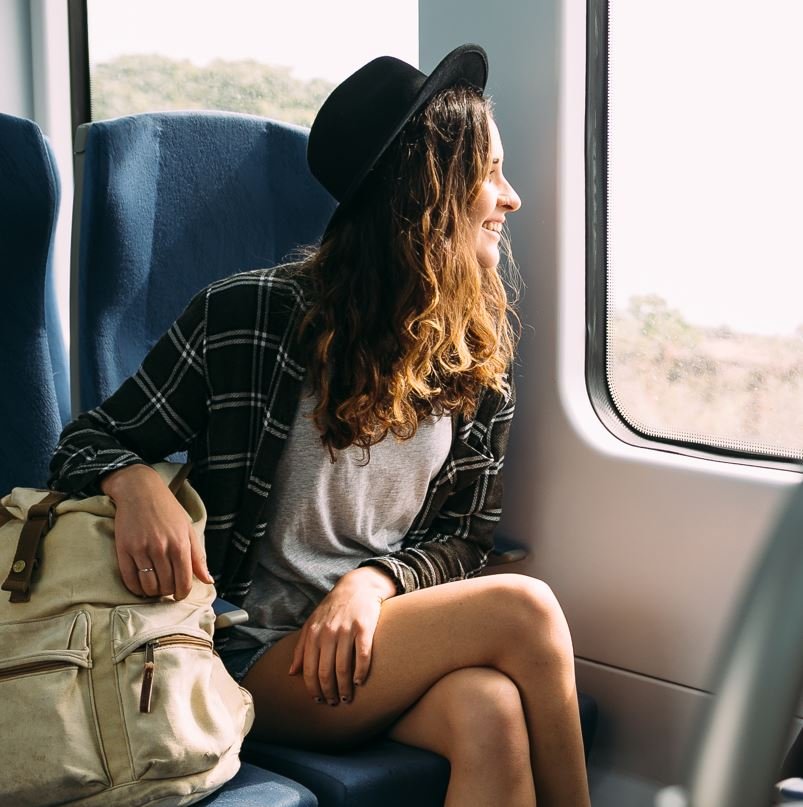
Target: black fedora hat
x: 364, y: 113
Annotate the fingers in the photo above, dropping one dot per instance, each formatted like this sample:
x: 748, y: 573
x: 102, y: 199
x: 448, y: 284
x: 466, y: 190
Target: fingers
x: 181, y: 568
x: 326, y: 657
x: 198, y: 558
x: 311, y: 661
x: 334, y: 646
x: 343, y: 667
x: 128, y: 571
x: 163, y: 566
x: 148, y: 579
x: 157, y: 549
x: 153, y: 563
x: 362, y: 656
x: 326, y: 670
x: 297, y: 664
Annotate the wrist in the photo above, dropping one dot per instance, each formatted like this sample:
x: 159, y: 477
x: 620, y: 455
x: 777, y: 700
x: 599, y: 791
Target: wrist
x: 374, y: 579
x: 126, y: 481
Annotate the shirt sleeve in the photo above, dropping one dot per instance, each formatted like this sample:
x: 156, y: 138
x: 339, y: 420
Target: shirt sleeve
x: 458, y: 543
x: 155, y: 412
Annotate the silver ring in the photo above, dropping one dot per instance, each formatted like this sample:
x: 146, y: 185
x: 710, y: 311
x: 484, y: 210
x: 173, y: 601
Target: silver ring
x: 144, y: 570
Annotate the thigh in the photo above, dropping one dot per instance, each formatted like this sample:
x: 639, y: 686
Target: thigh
x: 420, y: 637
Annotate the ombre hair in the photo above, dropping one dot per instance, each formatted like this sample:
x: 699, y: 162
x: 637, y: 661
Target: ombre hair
x: 404, y: 322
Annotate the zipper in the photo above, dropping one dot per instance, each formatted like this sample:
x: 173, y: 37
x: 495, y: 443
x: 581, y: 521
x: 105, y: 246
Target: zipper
x: 33, y: 667
x: 149, y: 669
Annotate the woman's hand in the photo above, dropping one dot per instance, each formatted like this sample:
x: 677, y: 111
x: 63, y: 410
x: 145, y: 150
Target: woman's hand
x: 334, y: 647
x: 157, y: 549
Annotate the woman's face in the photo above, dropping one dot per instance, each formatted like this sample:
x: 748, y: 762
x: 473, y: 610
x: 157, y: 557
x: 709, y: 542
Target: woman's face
x: 496, y: 198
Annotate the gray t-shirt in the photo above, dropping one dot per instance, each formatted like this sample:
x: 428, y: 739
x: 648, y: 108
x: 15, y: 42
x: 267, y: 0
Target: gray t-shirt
x: 325, y: 518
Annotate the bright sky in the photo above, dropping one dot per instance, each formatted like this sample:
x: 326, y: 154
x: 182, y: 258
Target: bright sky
x: 706, y: 159
x: 706, y: 194
x: 317, y: 38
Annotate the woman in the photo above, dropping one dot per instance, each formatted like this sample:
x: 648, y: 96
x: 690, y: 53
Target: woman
x: 347, y: 418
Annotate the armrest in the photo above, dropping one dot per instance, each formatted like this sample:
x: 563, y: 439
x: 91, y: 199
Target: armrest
x: 506, y: 551
x: 227, y: 615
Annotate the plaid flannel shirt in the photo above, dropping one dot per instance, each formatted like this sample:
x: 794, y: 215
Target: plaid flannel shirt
x: 224, y: 384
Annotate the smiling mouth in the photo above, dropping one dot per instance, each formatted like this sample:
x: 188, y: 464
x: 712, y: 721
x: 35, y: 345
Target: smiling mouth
x: 494, y: 227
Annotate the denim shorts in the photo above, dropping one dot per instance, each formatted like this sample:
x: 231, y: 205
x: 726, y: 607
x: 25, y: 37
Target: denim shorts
x: 239, y: 662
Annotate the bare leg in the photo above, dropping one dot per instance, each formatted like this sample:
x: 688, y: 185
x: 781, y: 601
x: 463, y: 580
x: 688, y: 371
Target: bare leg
x: 474, y: 718
x: 510, y: 623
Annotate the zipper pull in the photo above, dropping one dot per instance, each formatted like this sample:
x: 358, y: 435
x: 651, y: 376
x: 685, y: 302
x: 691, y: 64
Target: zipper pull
x: 147, y: 678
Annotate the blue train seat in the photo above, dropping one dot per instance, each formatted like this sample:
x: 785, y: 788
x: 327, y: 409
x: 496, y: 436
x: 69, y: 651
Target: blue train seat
x: 35, y: 400
x: 165, y: 204
x: 256, y: 787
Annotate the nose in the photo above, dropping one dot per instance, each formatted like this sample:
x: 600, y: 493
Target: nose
x: 510, y: 200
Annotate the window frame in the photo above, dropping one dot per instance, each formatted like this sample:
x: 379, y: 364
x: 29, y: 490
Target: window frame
x: 80, y: 93
x: 596, y: 255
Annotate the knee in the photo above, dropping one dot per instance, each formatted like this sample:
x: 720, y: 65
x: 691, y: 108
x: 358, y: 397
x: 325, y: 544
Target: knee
x: 534, y: 613
x: 484, y: 716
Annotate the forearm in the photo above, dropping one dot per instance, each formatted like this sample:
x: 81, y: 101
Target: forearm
x: 157, y: 411
x: 432, y: 562
x: 86, y: 452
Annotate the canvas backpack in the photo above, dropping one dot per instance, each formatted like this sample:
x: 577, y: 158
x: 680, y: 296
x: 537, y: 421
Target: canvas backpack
x: 105, y: 698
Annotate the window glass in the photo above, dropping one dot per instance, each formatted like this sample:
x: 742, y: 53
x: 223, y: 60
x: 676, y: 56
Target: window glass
x: 705, y: 203
x: 276, y: 59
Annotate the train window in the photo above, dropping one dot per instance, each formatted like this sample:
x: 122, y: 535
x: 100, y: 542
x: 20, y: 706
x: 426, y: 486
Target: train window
x: 704, y: 334
x: 274, y: 59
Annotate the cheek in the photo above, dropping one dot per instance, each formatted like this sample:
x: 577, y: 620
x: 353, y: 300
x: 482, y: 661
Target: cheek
x: 483, y: 206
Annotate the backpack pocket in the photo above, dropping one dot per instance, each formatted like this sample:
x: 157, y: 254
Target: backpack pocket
x: 47, y: 719
x: 173, y: 690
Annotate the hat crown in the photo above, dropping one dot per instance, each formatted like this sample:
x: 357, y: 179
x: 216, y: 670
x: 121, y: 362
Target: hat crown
x: 364, y: 109
x: 364, y: 113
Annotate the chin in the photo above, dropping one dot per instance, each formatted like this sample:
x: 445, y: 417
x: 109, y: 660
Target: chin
x: 488, y: 259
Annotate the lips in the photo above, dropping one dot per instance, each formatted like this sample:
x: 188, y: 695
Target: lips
x: 493, y: 227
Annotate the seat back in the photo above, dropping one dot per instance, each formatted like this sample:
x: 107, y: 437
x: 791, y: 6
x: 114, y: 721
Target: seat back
x: 166, y: 203
x: 35, y: 400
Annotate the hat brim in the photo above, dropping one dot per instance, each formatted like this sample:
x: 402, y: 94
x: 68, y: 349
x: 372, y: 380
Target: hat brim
x: 467, y: 63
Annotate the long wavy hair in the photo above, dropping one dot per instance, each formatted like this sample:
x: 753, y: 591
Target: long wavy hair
x: 404, y: 322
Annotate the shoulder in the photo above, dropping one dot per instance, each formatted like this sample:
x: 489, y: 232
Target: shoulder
x: 266, y: 300
x: 285, y: 284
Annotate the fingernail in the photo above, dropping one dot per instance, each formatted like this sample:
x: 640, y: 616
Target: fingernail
x: 344, y: 699
x: 357, y: 682
x: 318, y: 699
x: 333, y: 702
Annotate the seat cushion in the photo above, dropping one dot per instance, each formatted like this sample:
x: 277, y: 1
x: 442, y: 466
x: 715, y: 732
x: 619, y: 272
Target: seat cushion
x: 382, y: 774
x: 257, y: 787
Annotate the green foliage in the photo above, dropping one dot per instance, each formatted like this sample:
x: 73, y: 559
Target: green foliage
x: 659, y: 322
x: 149, y: 82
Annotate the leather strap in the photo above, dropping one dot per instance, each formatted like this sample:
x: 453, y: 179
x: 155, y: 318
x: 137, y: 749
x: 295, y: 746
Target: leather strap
x: 5, y: 516
x: 178, y: 479
x: 40, y: 520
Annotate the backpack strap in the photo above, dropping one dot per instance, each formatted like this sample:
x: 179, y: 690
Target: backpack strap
x: 40, y: 520
x: 5, y: 515
x: 178, y: 480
